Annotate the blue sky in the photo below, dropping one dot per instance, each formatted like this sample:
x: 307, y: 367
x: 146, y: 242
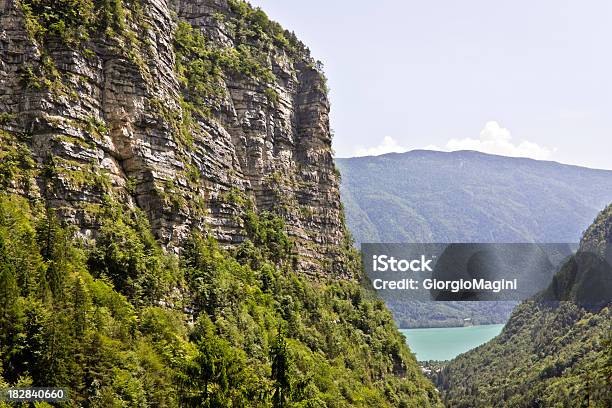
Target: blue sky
x: 522, y: 78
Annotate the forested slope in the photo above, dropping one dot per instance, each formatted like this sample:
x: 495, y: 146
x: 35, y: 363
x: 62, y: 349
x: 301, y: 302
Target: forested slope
x: 121, y: 323
x: 549, y: 354
x: 467, y: 196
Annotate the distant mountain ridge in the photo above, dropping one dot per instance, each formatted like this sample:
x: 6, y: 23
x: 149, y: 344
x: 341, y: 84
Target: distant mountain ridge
x: 468, y: 196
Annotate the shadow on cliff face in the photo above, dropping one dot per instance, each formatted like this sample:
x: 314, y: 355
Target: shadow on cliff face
x: 586, y: 278
x: 531, y: 265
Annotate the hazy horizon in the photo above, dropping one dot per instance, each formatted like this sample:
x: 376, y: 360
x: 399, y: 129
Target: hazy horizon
x: 518, y: 79
x: 470, y: 151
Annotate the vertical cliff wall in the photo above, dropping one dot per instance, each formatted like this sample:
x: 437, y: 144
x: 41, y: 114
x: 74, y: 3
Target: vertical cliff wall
x: 200, y: 115
x: 193, y: 111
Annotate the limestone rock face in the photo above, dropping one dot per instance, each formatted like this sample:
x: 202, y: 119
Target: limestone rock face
x: 104, y: 109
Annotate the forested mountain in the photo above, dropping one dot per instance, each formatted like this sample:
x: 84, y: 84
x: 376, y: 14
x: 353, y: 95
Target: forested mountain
x: 466, y: 196
x: 171, y: 232
x: 549, y: 354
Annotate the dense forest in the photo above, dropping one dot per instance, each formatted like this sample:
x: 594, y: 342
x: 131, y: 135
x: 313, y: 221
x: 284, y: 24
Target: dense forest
x: 551, y: 353
x: 121, y: 323
x: 547, y: 355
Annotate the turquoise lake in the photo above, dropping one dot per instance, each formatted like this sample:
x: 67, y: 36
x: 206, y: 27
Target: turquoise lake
x: 448, y: 342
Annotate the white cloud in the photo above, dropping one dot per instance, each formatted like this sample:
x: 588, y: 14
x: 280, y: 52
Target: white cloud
x: 495, y: 139
x: 388, y: 145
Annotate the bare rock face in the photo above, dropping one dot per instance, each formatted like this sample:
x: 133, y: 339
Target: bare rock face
x: 191, y: 110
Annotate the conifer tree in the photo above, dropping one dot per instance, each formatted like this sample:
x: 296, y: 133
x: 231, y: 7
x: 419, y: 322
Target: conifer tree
x: 281, y: 362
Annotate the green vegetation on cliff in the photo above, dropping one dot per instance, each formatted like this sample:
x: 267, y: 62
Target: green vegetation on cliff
x: 90, y: 300
x: 549, y: 354
x: 121, y: 323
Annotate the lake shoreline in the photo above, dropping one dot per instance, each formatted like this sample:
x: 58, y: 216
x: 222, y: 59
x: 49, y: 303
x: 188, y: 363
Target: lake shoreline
x: 446, y: 343
x: 450, y: 327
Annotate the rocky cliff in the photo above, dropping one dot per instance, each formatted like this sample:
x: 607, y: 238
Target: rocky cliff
x: 144, y: 122
x: 190, y: 110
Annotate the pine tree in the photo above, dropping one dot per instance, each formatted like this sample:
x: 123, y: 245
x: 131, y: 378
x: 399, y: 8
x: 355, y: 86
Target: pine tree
x: 11, y: 315
x: 281, y: 365
x: 54, y: 248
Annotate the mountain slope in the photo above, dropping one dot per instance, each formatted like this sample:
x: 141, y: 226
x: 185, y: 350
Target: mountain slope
x: 171, y: 232
x: 427, y: 196
x: 548, y: 354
